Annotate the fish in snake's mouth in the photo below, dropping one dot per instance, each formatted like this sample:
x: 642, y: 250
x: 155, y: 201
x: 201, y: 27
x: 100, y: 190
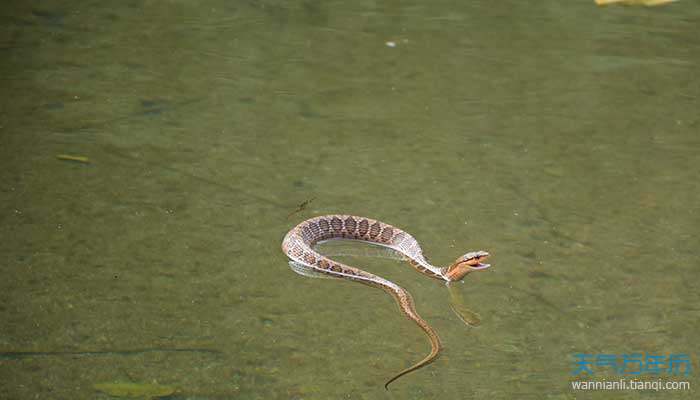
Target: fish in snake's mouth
x: 475, y: 258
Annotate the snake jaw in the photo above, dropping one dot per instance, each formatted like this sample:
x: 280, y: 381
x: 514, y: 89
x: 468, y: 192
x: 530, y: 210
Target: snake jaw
x: 466, y: 264
x: 474, y: 259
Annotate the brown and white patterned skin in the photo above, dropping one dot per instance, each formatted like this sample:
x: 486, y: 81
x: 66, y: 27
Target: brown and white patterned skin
x: 299, y: 243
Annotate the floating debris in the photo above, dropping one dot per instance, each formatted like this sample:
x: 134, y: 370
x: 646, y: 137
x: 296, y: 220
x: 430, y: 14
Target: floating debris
x: 394, y: 43
x: 137, y: 390
x: 301, y: 207
x: 649, y: 3
x: 68, y: 157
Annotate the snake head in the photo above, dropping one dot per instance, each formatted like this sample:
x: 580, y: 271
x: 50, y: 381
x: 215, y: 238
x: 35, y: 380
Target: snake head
x: 467, y: 263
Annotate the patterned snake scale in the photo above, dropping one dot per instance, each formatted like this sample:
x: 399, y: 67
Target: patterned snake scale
x: 299, y: 243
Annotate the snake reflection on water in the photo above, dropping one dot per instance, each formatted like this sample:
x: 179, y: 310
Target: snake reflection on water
x: 299, y: 243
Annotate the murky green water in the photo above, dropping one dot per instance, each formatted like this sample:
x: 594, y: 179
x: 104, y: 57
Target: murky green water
x: 560, y: 136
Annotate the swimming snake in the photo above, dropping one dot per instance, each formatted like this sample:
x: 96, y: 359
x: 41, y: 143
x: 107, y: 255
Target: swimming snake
x: 299, y: 244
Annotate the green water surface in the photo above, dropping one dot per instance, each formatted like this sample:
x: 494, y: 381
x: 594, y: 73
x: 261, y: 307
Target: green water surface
x: 562, y: 137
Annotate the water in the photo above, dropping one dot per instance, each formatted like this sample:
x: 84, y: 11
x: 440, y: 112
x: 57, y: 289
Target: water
x: 560, y: 136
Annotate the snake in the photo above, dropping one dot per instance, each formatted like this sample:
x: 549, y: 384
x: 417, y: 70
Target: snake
x: 298, y: 244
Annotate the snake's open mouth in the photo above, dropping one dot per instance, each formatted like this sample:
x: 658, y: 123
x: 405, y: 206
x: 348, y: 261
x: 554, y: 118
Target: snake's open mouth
x: 480, y: 266
x: 474, y: 259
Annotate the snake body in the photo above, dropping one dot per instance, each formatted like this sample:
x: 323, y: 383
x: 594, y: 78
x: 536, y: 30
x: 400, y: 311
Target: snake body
x: 299, y: 243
